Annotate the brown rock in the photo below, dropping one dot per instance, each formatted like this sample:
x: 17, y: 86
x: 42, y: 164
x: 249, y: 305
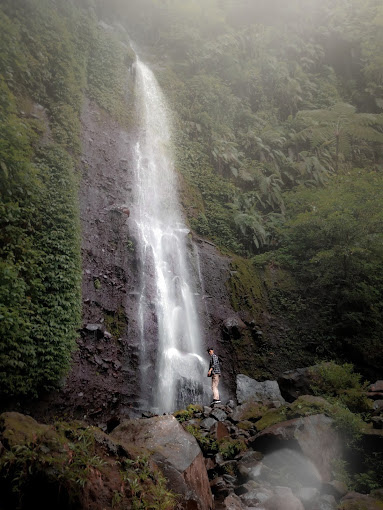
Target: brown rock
x: 313, y: 435
x: 232, y: 502
x: 175, y: 451
x: 219, y: 430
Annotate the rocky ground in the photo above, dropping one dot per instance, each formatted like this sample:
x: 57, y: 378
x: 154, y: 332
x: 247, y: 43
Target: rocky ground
x: 257, y: 451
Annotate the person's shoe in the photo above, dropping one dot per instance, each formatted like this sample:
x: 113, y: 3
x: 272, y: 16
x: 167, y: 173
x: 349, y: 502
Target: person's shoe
x: 215, y: 402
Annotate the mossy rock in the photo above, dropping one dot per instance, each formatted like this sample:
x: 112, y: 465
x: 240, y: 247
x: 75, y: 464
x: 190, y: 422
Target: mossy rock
x: 19, y: 429
x: 245, y: 425
x: 361, y: 502
x: 75, y: 466
x: 272, y: 417
x: 250, y: 411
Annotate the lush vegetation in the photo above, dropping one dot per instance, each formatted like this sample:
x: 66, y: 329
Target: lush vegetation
x: 279, y: 133
x: 50, y: 55
x: 75, y: 466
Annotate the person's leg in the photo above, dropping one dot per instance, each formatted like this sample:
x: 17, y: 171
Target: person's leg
x: 214, y: 386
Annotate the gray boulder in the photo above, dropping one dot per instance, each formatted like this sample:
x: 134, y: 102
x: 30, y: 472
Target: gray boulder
x: 250, y: 389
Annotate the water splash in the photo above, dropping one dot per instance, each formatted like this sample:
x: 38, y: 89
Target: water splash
x: 167, y: 294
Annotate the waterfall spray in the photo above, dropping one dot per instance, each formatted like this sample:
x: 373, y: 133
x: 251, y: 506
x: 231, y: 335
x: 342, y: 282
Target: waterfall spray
x: 166, y: 286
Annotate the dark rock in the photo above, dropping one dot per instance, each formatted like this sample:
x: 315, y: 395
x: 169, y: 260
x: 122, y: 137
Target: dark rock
x: 377, y: 422
x: 207, y: 423
x: 335, y: 488
x: 218, y: 414
x: 98, y: 329
x: 294, y: 383
x: 313, y: 435
x: 233, y: 327
x: 219, y: 487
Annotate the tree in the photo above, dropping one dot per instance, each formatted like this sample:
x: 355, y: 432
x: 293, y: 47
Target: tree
x: 339, y: 129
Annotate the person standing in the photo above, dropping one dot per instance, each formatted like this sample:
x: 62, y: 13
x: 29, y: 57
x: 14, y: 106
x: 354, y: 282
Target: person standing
x: 215, y: 373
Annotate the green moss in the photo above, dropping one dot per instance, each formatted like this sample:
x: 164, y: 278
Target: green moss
x: 245, y: 286
x: 252, y: 411
x: 207, y: 444
x: 18, y: 428
x: 66, y: 459
x: 229, y: 447
x: 341, y: 383
x: 271, y: 418
x: 188, y: 413
x: 116, y: 322
x: 245, y: 425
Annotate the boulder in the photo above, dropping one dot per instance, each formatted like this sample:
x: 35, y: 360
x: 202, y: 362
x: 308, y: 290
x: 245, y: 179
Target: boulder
x: 249, y: 411
x: 219, y: 431
x: 283, y: 499
x: 313, y: 435
x: 207, y: 423
x: 233, y: 327
x: 295, y: 383
x: 250, y: 389
x: 326, y: 502
x: 232, y: 502
x: 335, y: 488
x: 354, y: 500
x: 377, y: 386
x: 17, y: 428
x: 175, y: 451
x: 218, y: 414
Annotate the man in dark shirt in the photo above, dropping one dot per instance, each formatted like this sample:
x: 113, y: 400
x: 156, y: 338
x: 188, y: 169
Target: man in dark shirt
x: 214, y: 373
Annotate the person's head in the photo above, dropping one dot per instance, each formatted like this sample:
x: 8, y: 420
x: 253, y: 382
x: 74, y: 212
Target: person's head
x: 210, y: 350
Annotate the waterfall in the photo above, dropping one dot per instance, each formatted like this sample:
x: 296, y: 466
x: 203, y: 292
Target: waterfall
x: 176, y: 377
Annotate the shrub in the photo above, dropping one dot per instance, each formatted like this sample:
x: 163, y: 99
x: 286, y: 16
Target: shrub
x: 229, y: 448
x: 340, y: 381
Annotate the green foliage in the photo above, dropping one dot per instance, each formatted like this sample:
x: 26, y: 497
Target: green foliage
x: 340, y: 381
x: 229, y: 447
x: 348, y: 423
x: 145, y: 485
x: 188, y: 413
x: 116, y: 322
x: 63, y: 456
x: 265, y: 102
x: 207, y: 444
x: 333, y: 244
x: 50, y: 54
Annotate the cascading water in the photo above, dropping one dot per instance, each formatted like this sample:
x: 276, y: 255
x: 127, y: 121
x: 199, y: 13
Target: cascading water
x: 177, y: 378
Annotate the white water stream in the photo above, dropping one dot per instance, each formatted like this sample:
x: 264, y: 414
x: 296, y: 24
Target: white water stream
x: 179, y: 374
